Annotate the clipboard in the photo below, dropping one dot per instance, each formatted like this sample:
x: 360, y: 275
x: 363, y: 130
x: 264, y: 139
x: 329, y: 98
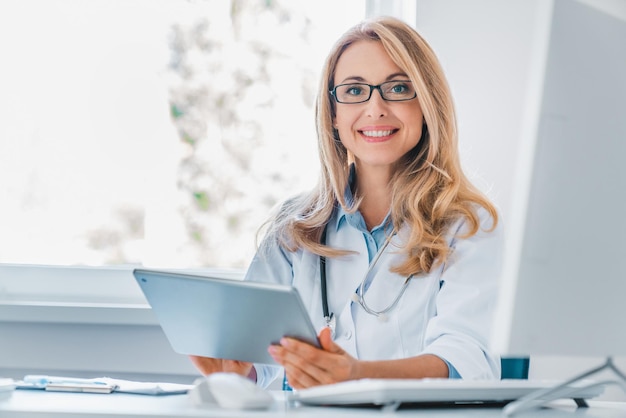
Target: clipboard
x: 98, y: 385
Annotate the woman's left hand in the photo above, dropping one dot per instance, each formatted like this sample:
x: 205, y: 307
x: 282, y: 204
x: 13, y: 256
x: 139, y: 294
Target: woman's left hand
x: 306, y: 365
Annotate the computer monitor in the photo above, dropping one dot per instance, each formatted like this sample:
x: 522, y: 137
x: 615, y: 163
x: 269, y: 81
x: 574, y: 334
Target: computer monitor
x: 564, y: 281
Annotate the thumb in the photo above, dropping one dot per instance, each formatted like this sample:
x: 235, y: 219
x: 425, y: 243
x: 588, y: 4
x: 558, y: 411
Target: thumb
x: 326, y: 341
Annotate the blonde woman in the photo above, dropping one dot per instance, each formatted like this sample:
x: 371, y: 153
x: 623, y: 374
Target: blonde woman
x: 395, y: 253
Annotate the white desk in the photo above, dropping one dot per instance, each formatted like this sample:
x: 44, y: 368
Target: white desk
x: 40, y: 404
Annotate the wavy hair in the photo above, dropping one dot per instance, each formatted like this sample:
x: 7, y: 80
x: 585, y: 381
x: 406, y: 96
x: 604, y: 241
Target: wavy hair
x: 429, y: 189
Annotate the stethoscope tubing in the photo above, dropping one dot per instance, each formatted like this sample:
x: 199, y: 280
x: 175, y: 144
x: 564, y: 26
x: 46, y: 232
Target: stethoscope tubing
x: 360, y: 298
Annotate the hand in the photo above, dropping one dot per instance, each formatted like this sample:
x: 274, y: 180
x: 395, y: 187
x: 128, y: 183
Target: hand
x: 308, y: 366
x: 208, y: 365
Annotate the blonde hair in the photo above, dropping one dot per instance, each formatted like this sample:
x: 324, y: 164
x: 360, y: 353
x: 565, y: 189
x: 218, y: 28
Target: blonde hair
x: 429, y: 188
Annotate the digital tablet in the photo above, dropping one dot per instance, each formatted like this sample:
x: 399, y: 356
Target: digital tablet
x: 224, y: 318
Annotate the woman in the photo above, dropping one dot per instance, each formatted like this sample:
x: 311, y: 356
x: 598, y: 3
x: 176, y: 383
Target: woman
x: 394, y: 252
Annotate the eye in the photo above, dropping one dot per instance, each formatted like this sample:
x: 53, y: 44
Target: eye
x: 399, y: 87
x: 354, y: 90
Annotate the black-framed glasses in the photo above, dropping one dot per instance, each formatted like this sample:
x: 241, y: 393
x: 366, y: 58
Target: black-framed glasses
x: 391, y: 91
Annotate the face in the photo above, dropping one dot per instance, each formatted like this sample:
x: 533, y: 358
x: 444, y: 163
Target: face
x: 377, y: 132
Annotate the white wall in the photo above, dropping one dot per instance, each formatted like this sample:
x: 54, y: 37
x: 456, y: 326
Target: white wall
x: 494, y: 54
x: 487, y: 49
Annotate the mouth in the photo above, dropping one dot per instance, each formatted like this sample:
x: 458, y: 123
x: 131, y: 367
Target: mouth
x: 378, y: 134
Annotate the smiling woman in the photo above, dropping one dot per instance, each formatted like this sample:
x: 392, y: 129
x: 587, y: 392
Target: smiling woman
x: 393, y: 216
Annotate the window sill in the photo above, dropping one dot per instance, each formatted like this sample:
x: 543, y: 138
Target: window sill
x: 77, y: 313
x: 79, y: 295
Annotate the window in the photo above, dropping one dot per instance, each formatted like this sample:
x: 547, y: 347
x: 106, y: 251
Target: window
x: 155, y: 133
x: 151, y: 132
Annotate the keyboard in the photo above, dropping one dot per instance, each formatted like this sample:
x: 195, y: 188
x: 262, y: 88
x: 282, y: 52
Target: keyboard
x: 433, y: 391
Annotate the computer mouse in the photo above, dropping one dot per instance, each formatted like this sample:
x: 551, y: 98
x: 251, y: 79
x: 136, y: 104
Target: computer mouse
x: 230, y: 391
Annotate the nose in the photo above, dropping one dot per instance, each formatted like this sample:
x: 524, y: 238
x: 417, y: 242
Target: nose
x: 376, y: 105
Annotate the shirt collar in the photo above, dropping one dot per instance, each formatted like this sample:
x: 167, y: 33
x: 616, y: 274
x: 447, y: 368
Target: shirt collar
x: 342, y: 215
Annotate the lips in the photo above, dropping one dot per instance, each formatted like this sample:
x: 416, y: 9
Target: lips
x: 378, y: 133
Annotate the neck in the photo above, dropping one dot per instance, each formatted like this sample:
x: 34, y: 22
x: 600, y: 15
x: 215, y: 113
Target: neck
x: 374, y: 189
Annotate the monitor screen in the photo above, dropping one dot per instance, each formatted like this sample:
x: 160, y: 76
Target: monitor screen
x: 564, y: 282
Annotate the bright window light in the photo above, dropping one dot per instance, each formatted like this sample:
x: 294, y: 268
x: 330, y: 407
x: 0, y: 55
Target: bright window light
x: 156, y: 132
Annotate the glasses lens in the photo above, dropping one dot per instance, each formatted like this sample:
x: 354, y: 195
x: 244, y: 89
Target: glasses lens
x: 397, y: 90
x: 352, y: 93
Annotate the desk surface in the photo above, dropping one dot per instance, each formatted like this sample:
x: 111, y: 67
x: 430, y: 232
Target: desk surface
x: 39, y: 404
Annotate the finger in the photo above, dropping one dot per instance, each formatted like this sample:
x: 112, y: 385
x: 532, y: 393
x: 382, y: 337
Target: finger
x: 296, y: 377
x: 277, y: 353
x: 314, y: 369
x: 235, y: 366
x: 332, y: 360
x: 304, y: 356
x: 205, y: 365
x: 323, y: 367
x: 299, y: 378
x: 303, y: 372
x: 325, y: 360
x: 299, y: 348
x: 327, y: 343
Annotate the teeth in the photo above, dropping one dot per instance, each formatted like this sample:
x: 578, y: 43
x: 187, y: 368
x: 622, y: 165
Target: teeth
x: 377, y: 133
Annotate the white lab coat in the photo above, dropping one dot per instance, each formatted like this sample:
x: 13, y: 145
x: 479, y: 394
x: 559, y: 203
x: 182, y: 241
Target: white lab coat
x: 447, y: 312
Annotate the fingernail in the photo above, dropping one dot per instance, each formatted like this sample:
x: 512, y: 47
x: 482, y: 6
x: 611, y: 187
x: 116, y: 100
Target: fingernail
x: 284, y: 342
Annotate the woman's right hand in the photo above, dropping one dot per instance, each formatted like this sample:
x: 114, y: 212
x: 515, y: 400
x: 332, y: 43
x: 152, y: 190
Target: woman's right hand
x: 208, y: 365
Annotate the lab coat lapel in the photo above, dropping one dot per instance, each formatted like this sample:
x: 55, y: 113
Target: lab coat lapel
x: 344, y: 274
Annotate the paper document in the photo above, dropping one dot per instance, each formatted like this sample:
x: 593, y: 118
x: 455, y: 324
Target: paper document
x: 147, y: 388
x: 101, y: 385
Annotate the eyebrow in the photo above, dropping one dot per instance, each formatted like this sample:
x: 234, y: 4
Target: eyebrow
x: 359, y: 79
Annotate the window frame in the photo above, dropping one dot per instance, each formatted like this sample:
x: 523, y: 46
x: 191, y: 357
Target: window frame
x: 80, y: 294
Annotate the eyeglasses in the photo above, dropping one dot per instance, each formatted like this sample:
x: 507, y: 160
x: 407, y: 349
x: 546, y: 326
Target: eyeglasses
x: 391, y: 91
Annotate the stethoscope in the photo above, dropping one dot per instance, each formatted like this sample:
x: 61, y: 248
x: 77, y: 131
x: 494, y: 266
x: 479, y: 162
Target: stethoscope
x: 359, y: 295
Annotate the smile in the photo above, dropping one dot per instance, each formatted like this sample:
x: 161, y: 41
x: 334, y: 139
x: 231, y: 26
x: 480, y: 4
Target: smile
x: 378, y: 134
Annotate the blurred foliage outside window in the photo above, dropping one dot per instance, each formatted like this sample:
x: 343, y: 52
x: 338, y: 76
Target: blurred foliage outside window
x: 155, y: 132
